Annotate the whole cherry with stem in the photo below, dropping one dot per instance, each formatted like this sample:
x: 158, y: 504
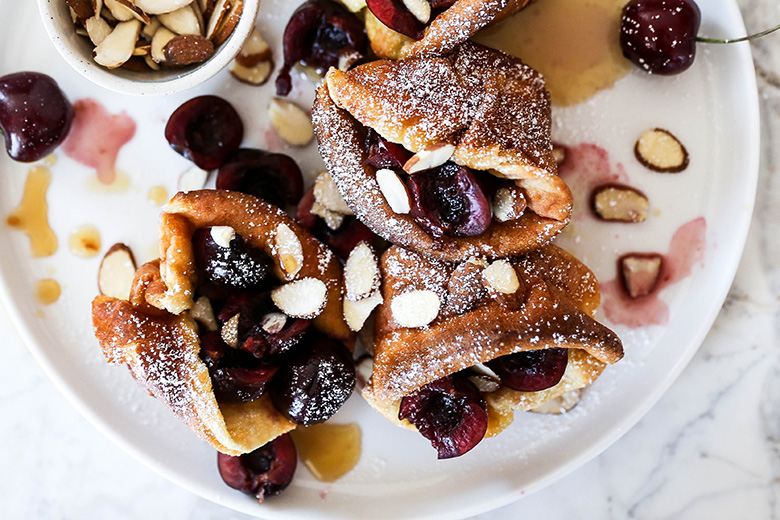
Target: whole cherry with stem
x: 660, y: 36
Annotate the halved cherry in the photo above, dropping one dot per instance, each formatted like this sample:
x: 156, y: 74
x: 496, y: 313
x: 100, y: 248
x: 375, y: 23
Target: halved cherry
x: 531, y: 370
x: 264, y: 472
x: 237, y: 266
x: 273, y: 177
x: 395, y: 15
x: 384, y: 154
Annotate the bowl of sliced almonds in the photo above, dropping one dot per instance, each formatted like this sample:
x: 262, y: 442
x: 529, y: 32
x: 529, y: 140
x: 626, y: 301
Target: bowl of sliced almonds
x: 148, y: 47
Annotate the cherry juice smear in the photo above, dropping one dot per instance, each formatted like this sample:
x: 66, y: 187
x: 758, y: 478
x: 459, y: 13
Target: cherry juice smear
x: 686, y: 249
x: 97, y: 136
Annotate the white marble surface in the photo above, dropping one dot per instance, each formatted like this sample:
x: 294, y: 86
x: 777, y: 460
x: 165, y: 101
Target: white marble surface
x: 709, y: 449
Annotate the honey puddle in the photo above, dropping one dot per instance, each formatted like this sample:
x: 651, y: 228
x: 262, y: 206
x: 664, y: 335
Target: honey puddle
x: 85, y: 241
x: 330, y: 451
x: 158, y: 195
x: 31, y: 216
x: 47, y: 291
x: 573, y: 43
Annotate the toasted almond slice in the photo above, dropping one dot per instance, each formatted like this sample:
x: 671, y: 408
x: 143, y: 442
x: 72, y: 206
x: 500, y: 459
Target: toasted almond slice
x: 159, y: 41
x: 430, y: 157
x: 354, y: 6
x: 186, y: 49
x: 142, y: 48
x: 117, y: 47
x: 640, y: 272
x: 254, y: 51
x: 218, y: 15
x: 620, y: 203
x: 97, y: 7
x: 254, y: 75
x: 135, y: 11
x: 364, y: 367
x: 81, y: 31
x: 416, y: 308
x: 421, y: 9
x: 192, y: 179
x: 500, y: 276
x: 203, y: 313
x: 195, y: 6
x: 508, y: 203
x: 182, y: 21
x: 326, y: 193
x: 484, y: 378
x: 291, y: 122
x: 161, y: 6
x: 361, y: 272
x: 207, y: 7
x: 151, y: 63
x: 357, y: 312
x: 116, y: 272
x: 304, y: 298
x: 289, y: 249
x: 559, y: 152
x: 97, y: 29
x: 81, y: 9
x: 119, y: 11
x: 223, y: 235
x: 394, y: 190
x: 561, y: 404
x: 148, y: 30
x: 229, y: 331
x: 660, y: 151
x: 332, y: 219
x: 273, y: 322
x: 229, y: 24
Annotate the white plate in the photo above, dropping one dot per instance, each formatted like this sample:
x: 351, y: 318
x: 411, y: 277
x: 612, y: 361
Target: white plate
x: 712, y: 108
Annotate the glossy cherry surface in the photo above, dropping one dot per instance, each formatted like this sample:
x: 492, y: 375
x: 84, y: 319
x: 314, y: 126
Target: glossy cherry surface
x: 273, y: 177
x: 395, y: 15
x: 237, y: 266
x: 264, y: 472
x: 532, y: 370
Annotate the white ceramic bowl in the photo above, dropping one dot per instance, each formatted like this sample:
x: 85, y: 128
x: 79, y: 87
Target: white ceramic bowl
x: 77, y: 51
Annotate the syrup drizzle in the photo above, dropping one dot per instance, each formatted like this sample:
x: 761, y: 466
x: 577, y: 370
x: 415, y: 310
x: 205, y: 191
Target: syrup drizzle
x: 96, y: 137
x: 85, y: 241
x: 47, y: 291
x: 686, y: 249
x: 31, y: 216
x: 330, y: 451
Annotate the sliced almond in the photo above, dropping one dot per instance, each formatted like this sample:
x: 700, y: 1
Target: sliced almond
x: 161, y: 6
x: 361, y: 272
x: 660, y: 151
x: 218, y: 15
x: 639, y: 272
x: 484, y: 378
x: 465, y: 288
x: 192, y: 179
x: 187, y: 49
x: 559, y: 152
x: 117, y: 47
x: 500, y: 276
x: 508, y: 203
x: 119, y: 11
x: 430, y: 157
x: 254, y: 75
x: 80, y: 31
x: 142, y: 48
x: 332, y: 219
x: 182, y: 21
x: 289, y: 249
x: 420, y: 9
x: 394, y: 190
x: 97, y: 7
x: 223, y: 235
x: 326, y: 193
x: 273, y: 322
x: 148, y: 30
x: 82, y: 9
x: 229, y: 331
x: 116, y: 272
x: 304, y: 298
x: 561, y: 404
x: 203, y: 313
x: 364, y: 367
x: 619, y: 203
x: 159, y: 41
x: 229, y: 24
x: 206, y: 7
x: 291, y: 122
x: 255, y: 50
x: 416, y: 308
x: 151, y: 63
x: 354, y: 6
x: 97, y: 29
x: 135, y: 11
x: 357, y: 312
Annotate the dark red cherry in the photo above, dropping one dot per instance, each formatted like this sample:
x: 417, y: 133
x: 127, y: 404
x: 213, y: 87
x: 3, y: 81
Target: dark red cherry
x: 205, y: 130
x: 264, y: 472
x: 660, y: 35
x: 237, y: 266
x: 342, y: 240
x: 384, y: 154
x: 315, y: 382
x: 273, y: 177
x: 395, y: 15
x: 532, y: 370
x: 35, y: 115
x: 450, y: 201
x: 321, y: 34
x: 450, y: 412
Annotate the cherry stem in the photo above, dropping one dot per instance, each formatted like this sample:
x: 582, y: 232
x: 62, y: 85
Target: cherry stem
x: 735, y: 40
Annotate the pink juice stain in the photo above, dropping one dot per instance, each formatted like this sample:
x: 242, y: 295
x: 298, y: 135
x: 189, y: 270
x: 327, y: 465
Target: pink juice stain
x: 96, y: 137
x: 686, y: 249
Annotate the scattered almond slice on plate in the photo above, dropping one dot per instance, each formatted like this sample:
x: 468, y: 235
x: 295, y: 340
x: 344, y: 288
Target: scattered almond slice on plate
x: 116, y: 272
x: 660, y: 151
x: 291, y: 122
x: 620, y: 203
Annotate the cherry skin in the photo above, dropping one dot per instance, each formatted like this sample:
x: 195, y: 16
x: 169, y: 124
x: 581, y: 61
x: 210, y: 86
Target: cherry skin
x: 238, y: 266
x: 266, y: 471
x: 273, y: 177
x: 395, y: 15
x: 660, y: 35
x: 35, y: 115
x: 532, y: 370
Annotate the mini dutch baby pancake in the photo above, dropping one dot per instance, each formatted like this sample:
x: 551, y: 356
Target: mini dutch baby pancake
x: 238, y: 328
x: 459, y: 347
x: 447, y: 156
x: 404, y: 28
